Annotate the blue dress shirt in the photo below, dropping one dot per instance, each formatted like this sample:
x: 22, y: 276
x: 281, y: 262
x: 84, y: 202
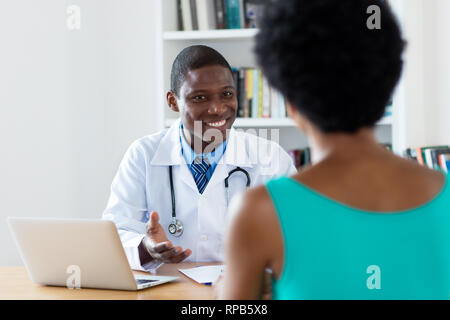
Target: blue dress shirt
x: 212, y: 158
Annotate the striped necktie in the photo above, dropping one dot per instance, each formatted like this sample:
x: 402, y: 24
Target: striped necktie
x: 199, y: 167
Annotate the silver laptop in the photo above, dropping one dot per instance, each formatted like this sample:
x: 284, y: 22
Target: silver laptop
x: 77, y: 254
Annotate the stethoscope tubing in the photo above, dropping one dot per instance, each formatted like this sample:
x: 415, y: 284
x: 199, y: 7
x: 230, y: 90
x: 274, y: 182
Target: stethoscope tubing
x: 177, y: 224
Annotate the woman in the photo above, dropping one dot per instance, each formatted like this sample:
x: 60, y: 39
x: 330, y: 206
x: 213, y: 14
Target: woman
x: 360, y: 223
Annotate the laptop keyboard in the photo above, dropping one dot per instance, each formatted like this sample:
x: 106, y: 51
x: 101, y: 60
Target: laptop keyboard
x: 142, y: 281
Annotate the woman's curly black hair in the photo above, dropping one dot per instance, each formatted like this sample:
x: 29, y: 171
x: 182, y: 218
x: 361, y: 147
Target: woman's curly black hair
x: 322, y: 56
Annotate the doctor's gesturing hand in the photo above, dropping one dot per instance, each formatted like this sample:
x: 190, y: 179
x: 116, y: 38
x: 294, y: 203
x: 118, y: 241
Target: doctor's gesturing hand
x: 159, y: 246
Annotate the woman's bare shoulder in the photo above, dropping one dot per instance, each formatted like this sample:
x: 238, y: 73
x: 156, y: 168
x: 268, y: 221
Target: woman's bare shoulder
x: 400, y: 183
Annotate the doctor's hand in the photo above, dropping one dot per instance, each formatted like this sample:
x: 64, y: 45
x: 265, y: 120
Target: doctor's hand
x: 159, y: 246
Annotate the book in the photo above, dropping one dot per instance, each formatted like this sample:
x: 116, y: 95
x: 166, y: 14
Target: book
x: 307, y: 156
x: 266, y: 99
x: 186, y: 14
x: 253, y: 12
x: 206, y: 15
x: 273, y: 103
x: 282, y: 106
x: 179, y: 16
x: 236, y: 74
x: 428, y: 158
x: 411, y: 154
x: 260, y: 94
x: 421, y: 154
x: 242, y: 94
x: 220, y: 17
x: 255, y: 100
x: 249, y: 84
x: 444, y: 162
x: 242, y: 13
x: 435, y: 153
x: 232, y: 14
x: 194, y: 17
x: 297, y: 157
x: 256, y: 97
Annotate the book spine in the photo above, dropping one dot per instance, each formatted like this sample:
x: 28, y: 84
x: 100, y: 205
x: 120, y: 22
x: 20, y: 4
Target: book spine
x: 255, y: 100
x: 218, y: 8
x: 202, y: 15
x: 248, y: 110
x: 242, y: 13
x: 193, y: 4
x: 446, y: 161
x: 225, y: 14
x: 420, y: 156
x: 282, y: 105
x: 205, y: 15
x: 241, y: 93
x: 260, y: 94
x: 434, y: 158
x: 273, y: 102
x: 180, y: 16
x: 187, y: 18
x: 428, y: 159
x: 442, y: 161
x: 233, y: 18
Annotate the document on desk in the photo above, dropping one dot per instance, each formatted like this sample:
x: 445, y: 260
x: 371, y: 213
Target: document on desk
x: 204, y: 274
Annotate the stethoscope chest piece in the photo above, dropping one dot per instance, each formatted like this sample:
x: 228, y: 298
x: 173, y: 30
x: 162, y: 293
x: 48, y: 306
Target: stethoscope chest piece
x: 176, y: 227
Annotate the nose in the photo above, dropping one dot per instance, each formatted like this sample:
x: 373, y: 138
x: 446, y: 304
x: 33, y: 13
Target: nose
x: 217, y: 107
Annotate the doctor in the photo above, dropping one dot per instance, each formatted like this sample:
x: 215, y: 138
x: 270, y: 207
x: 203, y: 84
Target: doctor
x: 169, y: 197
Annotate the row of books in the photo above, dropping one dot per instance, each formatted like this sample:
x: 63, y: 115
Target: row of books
x: 301, y: 157
x: 434, y: 157
x: 219, y: 14
x: 256, y: 98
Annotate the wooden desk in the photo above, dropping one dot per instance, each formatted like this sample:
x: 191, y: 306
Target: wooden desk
x: 16, y: 285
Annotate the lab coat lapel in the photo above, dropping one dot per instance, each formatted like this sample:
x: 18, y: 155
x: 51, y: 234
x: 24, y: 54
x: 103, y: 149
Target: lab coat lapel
x: 169, y: 153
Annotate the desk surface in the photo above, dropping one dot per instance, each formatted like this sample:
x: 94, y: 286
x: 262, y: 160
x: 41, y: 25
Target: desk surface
x: 16, y: 285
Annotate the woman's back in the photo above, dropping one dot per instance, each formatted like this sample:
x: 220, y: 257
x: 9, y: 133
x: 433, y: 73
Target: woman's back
x: 334, y: 250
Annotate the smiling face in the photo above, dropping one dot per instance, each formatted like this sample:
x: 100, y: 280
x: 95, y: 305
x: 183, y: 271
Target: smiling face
x: 207, y: 104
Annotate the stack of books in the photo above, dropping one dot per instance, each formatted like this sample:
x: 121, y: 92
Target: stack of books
x: 219, y: 14
x: 301, y: 157
x: 434, y: 157
x: 256, y: 98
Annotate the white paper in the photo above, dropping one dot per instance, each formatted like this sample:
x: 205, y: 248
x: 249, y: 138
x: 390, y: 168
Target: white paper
x: 204, y: 274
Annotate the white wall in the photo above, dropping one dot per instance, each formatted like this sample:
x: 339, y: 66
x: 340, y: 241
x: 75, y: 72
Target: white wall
x: 71, y: 102
x: 425, y: 90
x: 437, y: 71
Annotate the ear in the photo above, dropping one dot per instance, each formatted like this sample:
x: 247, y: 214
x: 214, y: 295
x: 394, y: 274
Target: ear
x: 172, y: 101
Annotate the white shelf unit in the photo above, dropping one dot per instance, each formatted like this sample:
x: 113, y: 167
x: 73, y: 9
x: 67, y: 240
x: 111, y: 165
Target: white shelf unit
x: 236, y: 46
x: 272, y: 123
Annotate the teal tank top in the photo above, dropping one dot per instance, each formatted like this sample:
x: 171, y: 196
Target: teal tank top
x: 334, y: 251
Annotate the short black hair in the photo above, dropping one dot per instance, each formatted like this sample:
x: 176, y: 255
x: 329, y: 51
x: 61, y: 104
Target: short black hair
x: 322, y: 56
x: 192, y: 58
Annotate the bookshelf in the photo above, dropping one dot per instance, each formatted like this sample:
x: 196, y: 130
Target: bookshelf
x: 236, y: 46
x: 246, y: 34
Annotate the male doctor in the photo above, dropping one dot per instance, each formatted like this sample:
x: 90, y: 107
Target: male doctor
x: 168, y: 198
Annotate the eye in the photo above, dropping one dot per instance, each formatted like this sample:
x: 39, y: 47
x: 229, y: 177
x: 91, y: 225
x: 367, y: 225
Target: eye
x: 228, y: 93
x: 199, y: 98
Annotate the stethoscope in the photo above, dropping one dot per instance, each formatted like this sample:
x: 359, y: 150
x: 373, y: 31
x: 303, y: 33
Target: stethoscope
x: 176, y: 227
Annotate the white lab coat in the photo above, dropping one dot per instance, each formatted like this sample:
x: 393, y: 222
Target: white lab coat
x: 142, y: 185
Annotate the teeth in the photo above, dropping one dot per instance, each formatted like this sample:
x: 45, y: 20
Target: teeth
x: 217, y: 123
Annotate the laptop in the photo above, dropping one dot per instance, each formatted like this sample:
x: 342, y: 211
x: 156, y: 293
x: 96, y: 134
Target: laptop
x: 77, y: 253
